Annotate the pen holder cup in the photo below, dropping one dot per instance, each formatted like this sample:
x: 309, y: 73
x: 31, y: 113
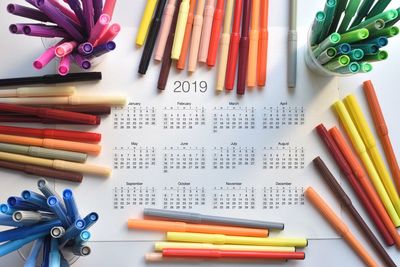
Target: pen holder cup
x: 315, y: 66
x: 24, y: 253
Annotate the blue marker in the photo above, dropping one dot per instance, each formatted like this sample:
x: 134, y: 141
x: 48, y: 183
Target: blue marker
x: 46, y: 252
x: 33, y: 255
x: 17, y: 244
x: 7, y: 210
x: 47, y: 191
x: 34, y: 198
x: 83, y: 237
x: 380, y: 41
x: 54, y: 205
x: 7, y: 220
x: 369, y: 49
x: 343, y: 49
x: 91, y: 219
x: 54, y: 255
x: 73, y: 231
x: 70, y: 204
x: 18, y: 203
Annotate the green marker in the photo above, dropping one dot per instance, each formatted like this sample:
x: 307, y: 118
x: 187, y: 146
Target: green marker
x: 331, y: 41
x: 365, y: 67
x: 375, y: 26
x: 362, y: 12
x: 394, y: 21
x: 327, y: 56
x: 356, y: 54
x: 337, y: 62
x: 317, y: 26
x: 349, y: 13
x: 340, y: 8
x: 381, y: 55
x: 368, y: 49
x: 354, y: 36
x: 352, y: 68
x: 386, y: 16
x: 378, y: 8
x: 386, y: 32
x: 329, y: 10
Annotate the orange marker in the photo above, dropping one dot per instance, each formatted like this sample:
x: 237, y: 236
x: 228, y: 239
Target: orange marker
x: 168, y: 226
x: 215, y: 33
x: 51, y: 143
x: 365, y: 183
x: 253, y: 49
x: 180, y: 64
x: 340, y: 227
x: 382, y: 130
x: 263, y: 45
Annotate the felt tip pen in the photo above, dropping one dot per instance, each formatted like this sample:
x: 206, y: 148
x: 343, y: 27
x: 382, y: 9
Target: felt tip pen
x: 97, y: 9
x: 292, y: 46
x: 83, y: 237
x: 27, y: 12
x: 34, y: 198
x: 111, y: 100
x: 169, y: 12
x: 68, y: 135
x: 109, y: 34
x: 349, y: 13
x: 191, y: 217
x: 7, y: 210
x: 180, y: 29
x: 73, y: 231
x: 54, y: 254
x: 79, y: 250
x: 244, y: 48
x: 160, y: 246
x: 34, y: 253
x: 253, y: 46
x: 57, y: 232
x: 7, y: 220
x: 18, y: 203
x: 38, y: 91
x: 11, y: 246
x: 109, y: 6
x: 180, y: 64
x: 196, y: 36
x: 70, y: 204
x: 99, y: 28
x: 56, y: 208
x: 263, y: 45
x: 169, y: 226
x: 215, y: 33
x: 206, y: 31
x: 31, y: 217
x: 90, y: 219
x: 145, y: 23
x: 47, y: 190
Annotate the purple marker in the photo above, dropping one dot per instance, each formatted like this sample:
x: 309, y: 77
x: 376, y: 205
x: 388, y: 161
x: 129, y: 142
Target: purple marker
x: 62, y: 20
x: 76, y: 7
x: 102, y: 49
x: 97, y: 8
x: 85, y: 48
x: 99, y: 27
x: 88, y: 13
x: 27, y: 12
x: 63, y: 67
x: 32, y: 2
x: 17, y: 28
x: 66, y: 11
x: 81, y: 61
x: 45, y: 31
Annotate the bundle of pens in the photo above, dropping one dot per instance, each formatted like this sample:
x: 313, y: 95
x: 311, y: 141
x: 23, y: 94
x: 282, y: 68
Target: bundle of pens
x: 52, y: 222
x: 83, y: 27
x: 51, y: 153
x: 380, y: 199
x: 185, y: 24
x: 350, y: 44
x: 198, y: 236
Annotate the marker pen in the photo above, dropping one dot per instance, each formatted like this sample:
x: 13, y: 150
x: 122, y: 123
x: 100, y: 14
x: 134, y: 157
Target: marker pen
x: 244, y: 48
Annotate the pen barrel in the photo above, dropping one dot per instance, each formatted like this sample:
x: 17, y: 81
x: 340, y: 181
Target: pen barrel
x: 214, y: 39
x: 226, y: 230
x: 375, y: 108
x: 82, y: 168
x: 66, y: 116
x: 262, y: 57
x: 157, y: 225
x: 77, y: 136
x: 232, y: 61
x: 97, y: 100
x: 180, y: 65
x: 292, y: 58
x: 195, y: 42
x: 145, y: 22
x: 51, y: 173
x: 149, y: 46
x: 224, y: 48
x: 252, y: 62
x: 196, y: 253
x: 92, y: 149
x: 180, y: 30
x: 243, y: 64
x: 206, y: 33
x: 165, y: 29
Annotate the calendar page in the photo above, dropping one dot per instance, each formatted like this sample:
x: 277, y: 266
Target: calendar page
x: 189, y: 148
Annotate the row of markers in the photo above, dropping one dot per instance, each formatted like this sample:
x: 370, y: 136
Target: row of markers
x: 193, y: 236
x: 191, y: 30
x: 84, y: 28
x: 53, y: 223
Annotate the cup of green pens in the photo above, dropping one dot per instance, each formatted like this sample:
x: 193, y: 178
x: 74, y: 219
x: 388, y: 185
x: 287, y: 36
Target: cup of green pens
x: 347, y: 46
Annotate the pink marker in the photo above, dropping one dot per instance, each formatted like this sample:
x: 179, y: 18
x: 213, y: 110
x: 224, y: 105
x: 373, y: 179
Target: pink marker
x: 63, y: 67
x: 109, y: 6
x: 99, y: 27
x: 65, y: 48
x: 165, y: 28
x: 109, y: 34
x: 46, y: 57
x: 206, y: 33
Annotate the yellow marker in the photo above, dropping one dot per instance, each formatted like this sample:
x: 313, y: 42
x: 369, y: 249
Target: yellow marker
x: 369, y: 140
x: 361, y: 150
x: 145, y: 23
x: 236, y: 240
x: 180, y: 29
x: 159, y: 246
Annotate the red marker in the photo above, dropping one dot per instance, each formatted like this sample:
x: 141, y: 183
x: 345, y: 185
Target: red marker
x: 215, y: 253
x: 48, y: 113
x: 233, y: 47
x: 244, y: 48
x: 215, y: 33
x: 76, y: 136
x: 31, y: 119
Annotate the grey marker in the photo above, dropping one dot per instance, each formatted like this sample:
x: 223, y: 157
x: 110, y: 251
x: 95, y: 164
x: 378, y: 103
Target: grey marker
x: 47, y: 191
x: 41, y: 152
x: 31, y: 217
x: 292, y: 46
x: 198, y: 218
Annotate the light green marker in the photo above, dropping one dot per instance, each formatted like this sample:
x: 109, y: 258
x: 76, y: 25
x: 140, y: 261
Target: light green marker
x: 394, y: 21
x: 381, y: 55
x: 386, y: 16
x: 352, y: 68
x: 386, y: 32
x: 329, y: 10
x: 362, y: 12
x: 317, y: 27
x: 349, y: 13
x: 354, y: 36
x: 340, y: 8
x: 365, y: 67
x: 378, y: 8
x: 327, y: 55
x: 375, y: 26
x: 41, y: 152
x: 331, y: 41
x: 337, y: 62
x: 368, y: 49
x: 356, y: 54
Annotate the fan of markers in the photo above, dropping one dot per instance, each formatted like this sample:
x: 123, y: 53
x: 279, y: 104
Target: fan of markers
x: 51, y: 222
x: 82, y: 30
x: 348, y: 35
x: 190, y: 30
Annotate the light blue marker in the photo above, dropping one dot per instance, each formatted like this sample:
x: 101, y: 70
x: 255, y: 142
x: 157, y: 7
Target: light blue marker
x: 33, y: 255
x: 83, y: 237
x: 7, y: 210
x: 17, y: 244
x: 73, y: 231
x: 356, y: 54
x: 7, y: 220
x: 54, y: 255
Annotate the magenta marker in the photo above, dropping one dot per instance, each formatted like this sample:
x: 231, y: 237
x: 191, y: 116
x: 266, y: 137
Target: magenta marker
x: 76, y: 7
x: 45, y: 58
x: 88, y: 13
x: 99, y: 27
x: 109, y: 7
x: 81, y: 61
x: 65, y: 48
x: 102, y: 49
x: 27, y: 12
x: 63, y: 67
x: 85, y: 48
x: 71, y: 15
x: 97, y: 8
x: 17, y: 28
x: 109, y: 34
x: 45, y: 31
x: 59, y: 18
